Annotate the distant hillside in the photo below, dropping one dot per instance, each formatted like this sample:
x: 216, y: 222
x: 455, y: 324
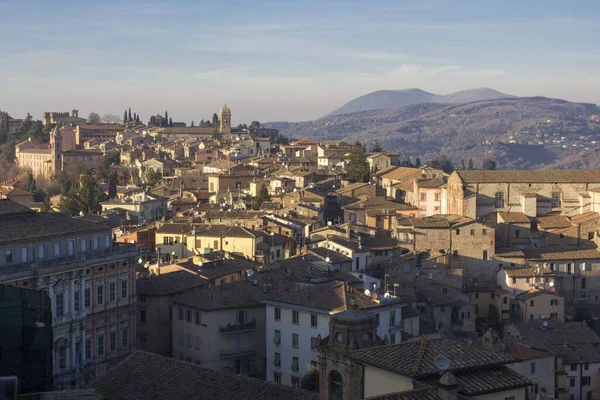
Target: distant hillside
x: 535, y: 132
x: 382, y: 99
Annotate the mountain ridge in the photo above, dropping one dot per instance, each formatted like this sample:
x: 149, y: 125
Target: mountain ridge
x: 382, y: 99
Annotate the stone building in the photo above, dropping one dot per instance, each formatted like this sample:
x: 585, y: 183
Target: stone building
x: 63, y: 118
x: 476, y: 193
x: 90, y: 281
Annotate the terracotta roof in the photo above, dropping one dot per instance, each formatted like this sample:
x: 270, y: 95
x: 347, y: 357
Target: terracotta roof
x: 174, y: 228
x: 530, y: 176
x: 485, y: 381
x: 577, y: 219
x: 524, y: 272
x: 10, y: 208
x: 514, y: 217
x: 220, y: 267
x: 243, y: 214
x: 168, y: 283
x: 555, y: 221
x: 225, y: 231
x: 433, y: 222
x: 523, y: 351
x: 145, y: 375
x: 532, y: 293
x: 430, y: 183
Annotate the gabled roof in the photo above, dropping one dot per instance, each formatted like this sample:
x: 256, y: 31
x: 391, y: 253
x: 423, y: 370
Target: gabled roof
x: 145, y: 375
x: 514, y: 217
x: 415, y: 359
x: 533, y: 293
x: 400, y: 173
x: 168, y: 283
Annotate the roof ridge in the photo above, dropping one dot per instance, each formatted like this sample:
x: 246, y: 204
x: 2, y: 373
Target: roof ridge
x: 419, y: 358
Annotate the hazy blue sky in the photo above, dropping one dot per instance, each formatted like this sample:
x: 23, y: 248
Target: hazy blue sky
x: 286, y: 60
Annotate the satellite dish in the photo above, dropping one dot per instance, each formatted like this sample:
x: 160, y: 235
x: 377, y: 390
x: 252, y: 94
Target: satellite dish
x: 327, y: 259
x: 542, y: 316
x: 367, y: 292
x: 442, y: 363
x: 470, y: 341
x: 551, y: 284
x: 199, y: 263
x: 545, y: 324
x: 386, y: 295
x: 329, y: 223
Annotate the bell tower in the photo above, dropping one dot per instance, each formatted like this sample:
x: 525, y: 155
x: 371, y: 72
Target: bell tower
x: 55, y: 149
x: 340, y: 378
x: 225, y: 122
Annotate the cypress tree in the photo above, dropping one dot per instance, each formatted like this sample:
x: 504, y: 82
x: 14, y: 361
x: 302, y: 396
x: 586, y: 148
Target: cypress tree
x: 125, y: 117
x: 170, y: 121
x: 129, y: 115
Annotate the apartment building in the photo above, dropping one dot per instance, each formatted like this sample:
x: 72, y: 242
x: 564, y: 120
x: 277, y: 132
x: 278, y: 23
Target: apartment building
x: 90, y: 281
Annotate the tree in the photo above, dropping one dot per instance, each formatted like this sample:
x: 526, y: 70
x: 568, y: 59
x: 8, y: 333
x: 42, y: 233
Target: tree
x: 263, y: 195
x: 463, y: 166
x: 488, y: 164
x: 215, y: 120
x: 310, y: 380
x: 94, y: 119
x: 31, y: 186
x: 470, y: 166
x: 129, y: 115
x: 192, y: 124
x: 84, y: 200
x: 166, y: 120
x: 47, y: 205
x: 152, y: 120
x: 418, y: 162
x: 112, y: 185
x: 254, y: 124
x: 26, y: 125
x: 409, y: 161
x: 376, y: 147
x: 125, y: 116
x: 137, y: 118
x: 153, y: 177
x: 111, y: 119
x: 358, y: 168
x: 170, y: 121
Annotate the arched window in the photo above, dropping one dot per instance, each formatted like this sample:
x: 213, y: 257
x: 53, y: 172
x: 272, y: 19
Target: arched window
x: 336, y: 386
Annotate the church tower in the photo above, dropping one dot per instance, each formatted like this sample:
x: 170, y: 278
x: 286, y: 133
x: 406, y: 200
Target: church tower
x: 55, y: 149
x: 340, y: 378
x: 225, y: 122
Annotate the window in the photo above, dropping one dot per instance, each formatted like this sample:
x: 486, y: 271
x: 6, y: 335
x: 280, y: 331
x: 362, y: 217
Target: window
x: 83, y: 245
x: 313, y: 343
x: 377, y: 319
x: 455, y: 253
x: 100, y: 291
x: 295, y: 381
x: 143, y: 342
x: 484, y: 232
x: 41, y: 252
x: 295, y: 364
x: 295, y: 340
x: 499, y: 200
x: 107, y: 241
x: 440, y: 235
x: 583, y: 283
x: 295, y: 317
x: 514, y: 281
x: 142, y: 298
x: 526, y: 280
x: 555, y: 199
x: 112, y: 290
x: 485, y: 255
x: 56, y: 249
x: 124, y: 285
x: 532, y: 368
x: 96, y: 243
x: 423, y: 196
x: 277, y: 360
x: 586, y: 366
x: 393, y: 318
x: 436, y: 197
x: 62, y: 357
x: 572, y: 382
x: 586, y: 380
x: 313, y: 320
x: 87, y: 295
x: 188, y: 315
x: 142, y: 316
x: 505, y: 299
x: 8, y: 256
x: 392, y: 338
x: 76, y: 300
x: 551, y: 266
x: 476, y: 295
x: 125, y: 335
x: 573, y: 367
x: 517, y: 233
x: 472, y: 232
x: 197, y: 318
x: 531, y: 302
x: 534, y: 388
x: 276, y: 377
x: 24, y: 254
x: 554, y: 302
x: 100, y: 344
x: 188, y: 340
x: 113, y: 340
x: 60, y: 304
x: 180, y: 313
x: 197, y: 342
x: 241, y: 317
x: 277, y: 337
x: 457, y: 231
x: 553, y: 315
x: 569, y: 268
x: 88, y: 348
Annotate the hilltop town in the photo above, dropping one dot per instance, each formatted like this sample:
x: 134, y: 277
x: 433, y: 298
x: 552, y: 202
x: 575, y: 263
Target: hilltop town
x: 164, y: 260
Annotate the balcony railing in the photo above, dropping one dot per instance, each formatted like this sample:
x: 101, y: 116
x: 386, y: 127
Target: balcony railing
x: 241, y: 352
x: 237, y: 328
x: 115, y: 252
x: 71, y: 317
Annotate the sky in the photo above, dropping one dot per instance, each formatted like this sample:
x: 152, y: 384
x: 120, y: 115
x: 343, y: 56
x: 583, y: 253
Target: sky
x: 286, y: 60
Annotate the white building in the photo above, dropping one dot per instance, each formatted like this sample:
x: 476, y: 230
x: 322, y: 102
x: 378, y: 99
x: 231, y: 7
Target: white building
x: 295, y: 321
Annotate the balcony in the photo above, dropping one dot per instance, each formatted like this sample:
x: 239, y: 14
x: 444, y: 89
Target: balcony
x: 238, y: 328
x: 238, y: 353
x: 71, y: 317
x: 116, y: 252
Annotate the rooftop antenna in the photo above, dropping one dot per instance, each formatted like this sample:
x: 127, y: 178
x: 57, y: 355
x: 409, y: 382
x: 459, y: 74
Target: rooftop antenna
x: 442, y: 363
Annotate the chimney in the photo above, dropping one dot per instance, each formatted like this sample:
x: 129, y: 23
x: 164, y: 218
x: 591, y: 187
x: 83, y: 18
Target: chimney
x: 359, y: 243
x: 348, y: 231
x: 448, y: 387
